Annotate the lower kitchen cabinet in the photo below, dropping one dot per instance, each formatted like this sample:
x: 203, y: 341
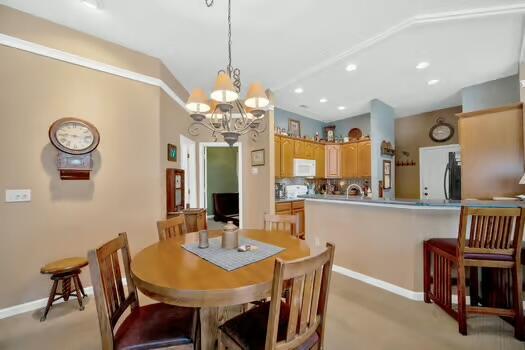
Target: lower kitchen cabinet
x: 293, y: 208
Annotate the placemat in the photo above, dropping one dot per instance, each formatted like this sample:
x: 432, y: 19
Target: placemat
x: 231, y: 259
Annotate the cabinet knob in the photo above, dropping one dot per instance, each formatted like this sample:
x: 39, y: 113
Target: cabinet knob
x: 426, y: 194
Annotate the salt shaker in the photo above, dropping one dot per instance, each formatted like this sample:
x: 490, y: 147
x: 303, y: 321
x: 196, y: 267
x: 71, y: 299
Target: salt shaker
x: 203, y: 239
x: 230, y: 236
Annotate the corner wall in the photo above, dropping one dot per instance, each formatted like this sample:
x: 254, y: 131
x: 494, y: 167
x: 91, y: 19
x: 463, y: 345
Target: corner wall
x: 494, y: 93
x: 381, y: 128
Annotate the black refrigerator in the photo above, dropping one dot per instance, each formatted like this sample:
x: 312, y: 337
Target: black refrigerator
x: 452, y: 177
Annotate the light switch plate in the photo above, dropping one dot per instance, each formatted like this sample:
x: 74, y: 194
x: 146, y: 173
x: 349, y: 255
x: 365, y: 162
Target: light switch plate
x: 12, y: 196
x: 255, y: 171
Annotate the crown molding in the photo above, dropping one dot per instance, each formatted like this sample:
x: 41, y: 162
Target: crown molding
x: 41, y: 50
x: 408, y: 23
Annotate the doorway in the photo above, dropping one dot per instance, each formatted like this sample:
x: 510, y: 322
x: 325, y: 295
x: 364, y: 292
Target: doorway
x: 188, y: 163
x: 434, y: 179
x: 221, y: 173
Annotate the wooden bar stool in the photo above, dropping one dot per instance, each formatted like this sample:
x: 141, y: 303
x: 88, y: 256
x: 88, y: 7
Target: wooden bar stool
x: 494, y: 242
x: 64, y: 271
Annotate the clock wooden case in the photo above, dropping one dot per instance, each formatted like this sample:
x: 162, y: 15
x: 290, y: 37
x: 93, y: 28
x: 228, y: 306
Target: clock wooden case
x: 75, y: 140
x: 441, y: 131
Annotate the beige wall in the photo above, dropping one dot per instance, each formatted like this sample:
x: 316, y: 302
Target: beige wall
x: 127, y: 188
x: 411, y: 134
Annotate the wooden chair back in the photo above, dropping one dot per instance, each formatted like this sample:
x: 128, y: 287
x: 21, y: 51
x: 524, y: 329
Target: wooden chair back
x: 286, y: 223
x: 110, y: 299
x: 491, y: 231
x: 171, y: 228
x: 310, y: 281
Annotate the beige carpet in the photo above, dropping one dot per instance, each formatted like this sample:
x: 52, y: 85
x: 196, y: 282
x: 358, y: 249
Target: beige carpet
x: 359, y: 317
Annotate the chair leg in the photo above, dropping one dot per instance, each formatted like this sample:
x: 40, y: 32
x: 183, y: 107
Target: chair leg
x: 78, y: 292
x: 517, y: 279
x: 50, y: 300
x: 220, y: 343
x: 462, y: 307
x: 81, y: 286
x: 473, y: 286
x: 426, y: 272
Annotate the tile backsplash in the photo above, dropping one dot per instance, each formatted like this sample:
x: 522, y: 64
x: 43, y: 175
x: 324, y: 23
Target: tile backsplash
x: 340, y: 185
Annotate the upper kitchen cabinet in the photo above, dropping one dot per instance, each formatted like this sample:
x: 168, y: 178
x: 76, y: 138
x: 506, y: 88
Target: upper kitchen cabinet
x: 287, y: 156
x: 319, y: 157
x: 277, y: 159
x: 333, y: 161
x: 349, y: 162
x: 364, y: 159
x: 298, y: 149
x: 309, y: 150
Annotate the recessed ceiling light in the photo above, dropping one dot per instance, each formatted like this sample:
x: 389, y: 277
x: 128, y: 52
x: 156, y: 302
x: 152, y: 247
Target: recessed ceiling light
x: 94, y: 4
x: 323, y: 100
x: 341, y: 108
x: 422, y: 65
x: 433, y: 82
x: 351, y: 67
x: 298, y: 90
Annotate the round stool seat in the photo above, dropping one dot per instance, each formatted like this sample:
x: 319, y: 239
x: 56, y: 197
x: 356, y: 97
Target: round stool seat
x: 64, y: 265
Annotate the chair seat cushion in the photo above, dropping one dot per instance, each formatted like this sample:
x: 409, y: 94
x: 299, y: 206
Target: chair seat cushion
x: 155, y: 326
x: 248, y: 330
x: 449, y: 245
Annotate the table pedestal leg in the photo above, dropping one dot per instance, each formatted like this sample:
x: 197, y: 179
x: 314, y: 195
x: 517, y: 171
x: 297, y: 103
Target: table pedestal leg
x: 211, y: 318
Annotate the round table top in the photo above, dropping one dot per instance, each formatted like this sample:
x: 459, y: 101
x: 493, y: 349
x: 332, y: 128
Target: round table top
x: 64, y: 265
x: 167, y: 272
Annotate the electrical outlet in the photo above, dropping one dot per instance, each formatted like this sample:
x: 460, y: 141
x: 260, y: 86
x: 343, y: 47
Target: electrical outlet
x: 12, y: 196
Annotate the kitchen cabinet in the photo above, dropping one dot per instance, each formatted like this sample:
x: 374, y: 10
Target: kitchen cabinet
x: 333, y: 161
x: 364, y: 159
x: 277, y: 159
x: 298, y: 149
x: 349, y: 160
x: 293, y: 208
x: 309, y: 150
x: 319, y: 157
x: 287, y: 155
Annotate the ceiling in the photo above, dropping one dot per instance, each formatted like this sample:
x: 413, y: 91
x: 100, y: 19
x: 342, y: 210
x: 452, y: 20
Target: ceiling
x: 308, y: 44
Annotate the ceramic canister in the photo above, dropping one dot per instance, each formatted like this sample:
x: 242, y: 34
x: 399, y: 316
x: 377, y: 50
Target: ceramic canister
x: 230, y: 236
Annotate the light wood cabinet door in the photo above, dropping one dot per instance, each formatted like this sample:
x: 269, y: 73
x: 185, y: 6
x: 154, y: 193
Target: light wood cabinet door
x: 349, y: 161
x: 309, y: 150
x: 287, y: 152
x: 300, y: 226
x: 298, y: 149
x: 319, y: 157
x: 333, y: 161
x: 277, y: 146
x: 364, y: 161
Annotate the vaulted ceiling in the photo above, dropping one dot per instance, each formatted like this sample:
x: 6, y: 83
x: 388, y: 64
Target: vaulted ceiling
x: 308, y: 44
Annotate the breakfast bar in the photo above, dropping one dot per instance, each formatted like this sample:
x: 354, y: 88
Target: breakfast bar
x: 380, y: 241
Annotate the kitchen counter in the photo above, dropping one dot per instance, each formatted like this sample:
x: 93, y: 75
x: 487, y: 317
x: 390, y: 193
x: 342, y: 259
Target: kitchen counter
x: 414, y: 203
x: 287, y: 200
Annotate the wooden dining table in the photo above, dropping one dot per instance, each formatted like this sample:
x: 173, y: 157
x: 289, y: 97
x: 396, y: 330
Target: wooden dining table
x: 168, y: 273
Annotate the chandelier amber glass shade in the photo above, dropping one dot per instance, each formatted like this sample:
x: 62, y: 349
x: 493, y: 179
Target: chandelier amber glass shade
x: 198, y: 102
x: 224, y: 91
x: 256, y: 97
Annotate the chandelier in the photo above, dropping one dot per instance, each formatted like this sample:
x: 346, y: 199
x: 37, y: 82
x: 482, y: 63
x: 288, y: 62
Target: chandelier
x: 224, y: 113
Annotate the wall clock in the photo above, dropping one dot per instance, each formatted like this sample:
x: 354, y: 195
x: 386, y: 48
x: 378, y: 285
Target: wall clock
x: 441, y: 131
x: 75, y: 140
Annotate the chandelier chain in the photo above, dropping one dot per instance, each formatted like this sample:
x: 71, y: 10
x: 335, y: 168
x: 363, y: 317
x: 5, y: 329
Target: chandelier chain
x: 209, y: 3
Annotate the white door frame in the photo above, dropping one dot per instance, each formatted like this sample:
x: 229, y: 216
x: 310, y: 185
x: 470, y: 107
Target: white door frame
x: 187, y: 147
x: 452, y: 147
x: 204, y: 171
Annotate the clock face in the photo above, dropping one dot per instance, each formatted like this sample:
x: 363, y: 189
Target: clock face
x: 441, y: 132
x: 74, y: 136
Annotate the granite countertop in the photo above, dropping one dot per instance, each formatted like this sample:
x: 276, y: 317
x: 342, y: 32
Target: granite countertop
x: 286, y: 200
x: 417, y: 202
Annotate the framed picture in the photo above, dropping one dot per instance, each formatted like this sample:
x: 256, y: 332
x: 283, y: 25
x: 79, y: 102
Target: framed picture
x: 258, y: 157
x: 172, y: 152
x: 294, y: 128
x: 387, y: 174
x: 329, y: 133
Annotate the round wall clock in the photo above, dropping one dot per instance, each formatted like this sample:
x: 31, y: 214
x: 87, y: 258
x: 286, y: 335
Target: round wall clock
x: 74, y: 136
x: 441, y: 131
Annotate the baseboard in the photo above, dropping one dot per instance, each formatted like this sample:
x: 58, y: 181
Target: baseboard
x: 33, y: 305
x: 409, y: 294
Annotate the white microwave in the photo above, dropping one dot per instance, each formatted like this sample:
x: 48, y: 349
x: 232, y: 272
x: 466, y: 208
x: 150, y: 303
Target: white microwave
x: 304, y: 167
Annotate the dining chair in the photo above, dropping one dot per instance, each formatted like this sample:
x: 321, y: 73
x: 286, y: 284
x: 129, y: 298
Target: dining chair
x: 275, y: 324
x: 495, y: 238
x: 287, y: 223
x: 171, y: 228
x: 154, y: 326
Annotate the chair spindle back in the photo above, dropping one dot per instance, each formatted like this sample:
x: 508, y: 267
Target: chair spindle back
x: 171, y: 228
